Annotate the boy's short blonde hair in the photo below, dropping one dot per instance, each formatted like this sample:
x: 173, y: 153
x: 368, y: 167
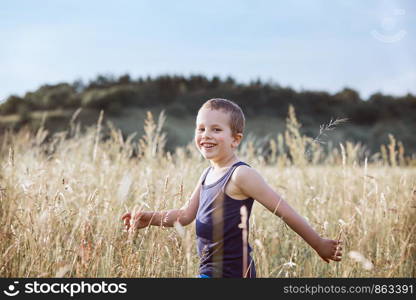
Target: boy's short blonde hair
x: 237, y: 120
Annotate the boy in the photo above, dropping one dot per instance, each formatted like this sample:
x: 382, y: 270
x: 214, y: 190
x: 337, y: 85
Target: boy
x: 222, y: 200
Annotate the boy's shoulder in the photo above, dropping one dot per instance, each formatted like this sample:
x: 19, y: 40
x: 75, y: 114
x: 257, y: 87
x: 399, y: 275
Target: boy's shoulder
x: 247, y: 182
x: 244, y: 173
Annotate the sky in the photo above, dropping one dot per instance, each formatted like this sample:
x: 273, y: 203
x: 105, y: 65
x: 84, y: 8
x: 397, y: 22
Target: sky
x: 303, y: 44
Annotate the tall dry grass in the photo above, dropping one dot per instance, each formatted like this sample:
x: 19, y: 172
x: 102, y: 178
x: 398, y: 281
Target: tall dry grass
x: 62, y: 196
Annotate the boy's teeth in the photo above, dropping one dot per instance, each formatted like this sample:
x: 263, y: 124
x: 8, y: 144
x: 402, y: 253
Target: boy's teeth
x: 208, y: 145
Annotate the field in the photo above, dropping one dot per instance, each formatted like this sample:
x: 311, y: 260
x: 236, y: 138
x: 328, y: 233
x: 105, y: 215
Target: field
x: 62, y: 196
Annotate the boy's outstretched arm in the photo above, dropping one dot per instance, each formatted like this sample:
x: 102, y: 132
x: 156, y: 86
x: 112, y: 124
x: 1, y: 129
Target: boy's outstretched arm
x: 253, y: 185
x: 167, y: 218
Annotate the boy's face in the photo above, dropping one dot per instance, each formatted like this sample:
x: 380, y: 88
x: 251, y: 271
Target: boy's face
x: 213, y: 136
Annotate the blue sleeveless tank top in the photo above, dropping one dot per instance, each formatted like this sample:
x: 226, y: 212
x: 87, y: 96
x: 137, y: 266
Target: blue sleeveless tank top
x: 222, y: 245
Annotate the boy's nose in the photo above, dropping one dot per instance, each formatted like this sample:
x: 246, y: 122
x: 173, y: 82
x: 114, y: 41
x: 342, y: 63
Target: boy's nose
x: 206, y: 133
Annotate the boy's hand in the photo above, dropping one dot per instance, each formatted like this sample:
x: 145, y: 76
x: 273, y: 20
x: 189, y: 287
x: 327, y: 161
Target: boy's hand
x: 329, y: 250
x: 138, y: 221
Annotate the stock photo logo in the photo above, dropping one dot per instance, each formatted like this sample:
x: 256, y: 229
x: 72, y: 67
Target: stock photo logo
x: 11, y: 290
x: 389, y: 32
x: 66, y: 288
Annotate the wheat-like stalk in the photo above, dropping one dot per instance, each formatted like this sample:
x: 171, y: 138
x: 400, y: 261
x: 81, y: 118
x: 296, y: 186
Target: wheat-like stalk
x: 62, y: 196
x: 323, y: 128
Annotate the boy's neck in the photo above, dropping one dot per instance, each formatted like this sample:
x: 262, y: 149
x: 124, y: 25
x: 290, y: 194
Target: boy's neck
x: 226, y: 162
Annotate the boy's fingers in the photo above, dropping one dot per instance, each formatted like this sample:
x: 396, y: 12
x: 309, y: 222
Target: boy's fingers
x: 126, y: 220
x: 126, y: 215
x: 338, y: 254
x: 337, y: 244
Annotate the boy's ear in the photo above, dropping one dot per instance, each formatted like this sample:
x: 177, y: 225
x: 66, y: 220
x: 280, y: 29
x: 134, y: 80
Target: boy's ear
x: 237, y: 139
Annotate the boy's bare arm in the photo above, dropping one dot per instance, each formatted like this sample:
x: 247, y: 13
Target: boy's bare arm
x: 167, y: 218
x: 253, y: 185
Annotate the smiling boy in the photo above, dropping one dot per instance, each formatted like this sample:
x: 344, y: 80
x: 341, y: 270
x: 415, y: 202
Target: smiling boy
x: 223, y: 198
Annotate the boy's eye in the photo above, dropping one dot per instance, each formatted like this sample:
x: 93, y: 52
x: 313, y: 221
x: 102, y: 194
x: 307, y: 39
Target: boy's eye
x: 217, y: 129
x: 200, y: 129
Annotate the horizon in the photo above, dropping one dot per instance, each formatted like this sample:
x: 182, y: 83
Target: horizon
x: 313, y: 46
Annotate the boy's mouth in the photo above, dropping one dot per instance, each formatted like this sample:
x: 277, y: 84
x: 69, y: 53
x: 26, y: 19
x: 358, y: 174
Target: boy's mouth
x: 207, y: 145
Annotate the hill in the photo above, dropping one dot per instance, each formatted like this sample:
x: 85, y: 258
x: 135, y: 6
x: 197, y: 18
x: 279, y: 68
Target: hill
x: 125, y: 101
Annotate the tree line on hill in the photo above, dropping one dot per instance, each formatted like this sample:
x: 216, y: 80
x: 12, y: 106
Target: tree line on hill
x: 181, y: 95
